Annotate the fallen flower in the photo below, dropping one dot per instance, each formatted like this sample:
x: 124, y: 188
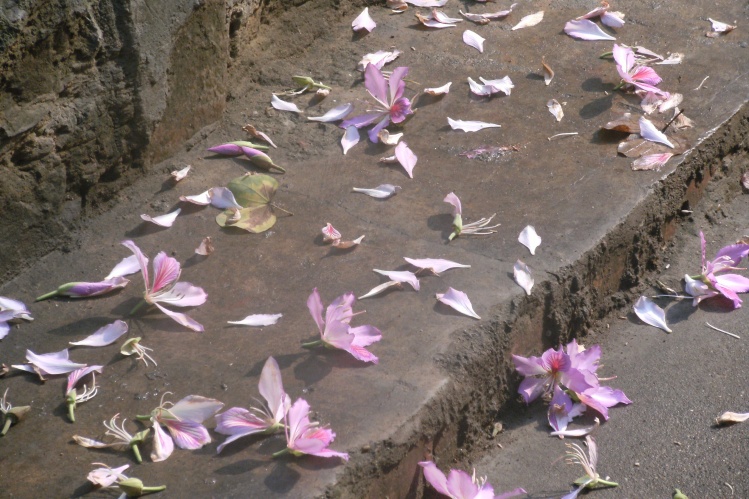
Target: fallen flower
x: 459, y: 301
x: 529, y: 20
x: 435, y: 265
x: 731, y: 418
x: 166, y: 288
x: 379, y: 59
x: 586, y: 30
x: 470, y: 126
x: 283, y: 105
x: 477, y: 228
x: 123, y: 440
x: 460, y: 485
x: 258, y: 320
x: 718, y: 28
x: 133, y: 347
x: 591, y: 479
x: 163, y: 220
x: 335, y: 114
x: 72, y: 398
x: 390, y: 104
x: 104, y: 336
x: 523, y: 276
x: 206, y: 246
x: 11, y: 415
x: 544, y: 374
x: 436, y: 91
x: 130, y: 487
x: 474, y: 40
x: 364, y: 21
x: 9, y: 310
x: 649, y: 132
x: 641, y: 77
x: 304, y: 437
x: 49, y: 364
x: 115, y: 280
x: 178, y: 175
x: 650, y: 313
x: 530, y: 239
x: 397, y: 278
x: 714, y: 281
x: 555, y: 108
x: 335, y: 331
x: 268, y: 419
x: 383, y: 191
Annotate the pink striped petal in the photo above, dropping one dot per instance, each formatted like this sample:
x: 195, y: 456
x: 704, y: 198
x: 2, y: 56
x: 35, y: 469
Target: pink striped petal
x: 163, y: 445
x: 652, y: 161
x: 166, y: 270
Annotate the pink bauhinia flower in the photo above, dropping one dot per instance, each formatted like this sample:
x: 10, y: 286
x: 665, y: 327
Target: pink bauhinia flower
x: 642, y: 77
x: 460, y: 485
x: 714, y: 281
x: 238, y: 422
x: 305, y: 437
x: 335, y: 331
x: 165, y: 288
x: 543, y: 374
x: 390, y: 103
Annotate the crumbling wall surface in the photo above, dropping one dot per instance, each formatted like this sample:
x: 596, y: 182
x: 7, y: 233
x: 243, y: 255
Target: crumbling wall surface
x: 91, y: 94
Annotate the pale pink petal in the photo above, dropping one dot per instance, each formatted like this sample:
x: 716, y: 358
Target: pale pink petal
x: 271, y: 388
x: 365, y: 335
x: 650, y: 313
x: 444, y: 89
x: 163, y: 220
x: 427, y: 3
x: 258, y: 320
x: 481, y: 90
x: 648, y: 131
x: 459, y: 301
x: 388, y: 138
x: 719, y: 27
x: 651, y: 161
x: 555, y: 108
x: 613, y: 19
x: 75, y: 376
x: 163, y: 445
x: 106, y: 477
x: 380, y: 192
x: 166, y: 270
x: 188, y: 434
x: 673, y: 100
x: 485, y: 18
x: 180, y: 174
x: 503, y: 85
x: 104, y: 336
x: 335, y: 114
x: 473, y: 40
x: 96, y: 444
x: 196, y: 408
x: 435, y: 477
x: 650, y: 102
x: 350, y: 138
x: 470, y: 126
x: 202, y: 199
x: 283, y: 105
x: 182, y: 319
x: 530, y: 239
x: 127, y: 266
x: 401, y: 276
x: 435, y: 265
x: 529, y: 20
x: 406, y: 157
x: 586, y: 30
x: 239, y: 421
x: 430, y: 22
x: 444, y: 18
x: 182, y: 294
x: 379, y: 289
x: 315, y: 307
x: 330, y: 234
x: 222, y: 198
x: 523, y: 276
x: 53, y: 363
x: 379, y: 59
x: 454, y: 200
x: 364, y: 21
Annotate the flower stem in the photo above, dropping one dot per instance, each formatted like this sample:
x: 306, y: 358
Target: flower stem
x: 281, y: 452
x: 136, y: 451
x: 620, y: 85
x: 143, y: 418
x: 137, y: 307
x: 151, y: 490
x: 71, y: 411
x: 285, y: 211
x: 312, y: 344
x: 6, y: 426
x: 607, y: 483
x: 47, y: 296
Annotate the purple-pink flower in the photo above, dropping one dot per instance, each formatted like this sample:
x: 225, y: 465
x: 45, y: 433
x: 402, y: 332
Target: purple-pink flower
x: 642, y: 77
x: 543, y: 373
x: 390, y: 103
x: 165, y: 288
x: 335, y: 331
x: 305, y: 437
x: 714, y: 281
x: 460, y: 485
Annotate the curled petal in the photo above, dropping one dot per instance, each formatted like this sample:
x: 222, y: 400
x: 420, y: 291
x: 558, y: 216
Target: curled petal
x: 75, y: 376
x: 258, y: 320
x: 586, y: 30
x: 388, y: 138
x: 470, y: 126
x: 648, y: 131
x: 650, y: 313
x: 379, y: 289
x: 163, y: 220
x: 530, y: 239
x: 444, y: 89
x: 202, y: 199
x: 454, y: 200
x: 732, y: 417
x: 364, y: 21
x: 651, y: 161
x: 406, y: 158
x: 283, y: 105
x: 163, y: 445
x: 178, y: 175
x: 106, y: 477
x: 523, y: 276
x: 335, y: 114
x: 104, y: 336
x: 379, y: 59
x: 529, y: 20
x: 205, y: 248
x: 555, y: 108
x: 435, y: 477
x: 473, y: 39
x: 503, y: 85
x: 350, y: 138
x: 459, y: 301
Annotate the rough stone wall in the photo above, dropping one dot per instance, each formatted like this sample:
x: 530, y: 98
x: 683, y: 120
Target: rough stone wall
x: 91, y: 94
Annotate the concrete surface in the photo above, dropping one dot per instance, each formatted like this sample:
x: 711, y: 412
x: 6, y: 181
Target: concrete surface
x: 442, y: 378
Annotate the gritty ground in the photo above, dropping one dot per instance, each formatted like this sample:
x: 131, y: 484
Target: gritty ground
x: 442, y: 378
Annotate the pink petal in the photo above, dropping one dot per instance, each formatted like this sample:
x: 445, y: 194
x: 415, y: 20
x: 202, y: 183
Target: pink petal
x: 401, y: 276
x: 364, y: 21
x: 75, y: 376
x: 283, y: 105
x: 435, y: 265
x: 648, y: 131
x: 459, y: 301
x: 650, y: 313
x: 182, y: 319
x: 163, y: 445
x: 406, y: 157
x: 586, y: 30
x: 53, y: 363
x: 195, y: 408
x: 613, y: 19
x: 383, y: 191
x: 473, y: 40
x: 454, y: 200
x: 271, y: 388
x: 350, y: 138
x: 376, y: 84
x: 315, y: 307
x: 188, y: 434
x: 335, y: 114
x: 166, y: 270
x: 522, y: 274
x: 435, y: 477
x: 651, y: 161
x: 182, y: 294
x: 470, y: 126
x: 297, y: 421
x: 104, y: 336
x: 163, y: 220
x: 365, y: 335
x: 258, y: 320
x: 529, y: 20
x: 460, y: 484
x: 127, y: 266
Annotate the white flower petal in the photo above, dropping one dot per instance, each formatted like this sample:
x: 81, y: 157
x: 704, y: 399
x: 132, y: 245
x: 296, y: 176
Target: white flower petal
x: 459, y: 301
x: 613, y: 19
x: 482, y: 90
x: 127, y: 266
x: 555, y: 108
x: 202, y: 199
x: 389, y: 139
x: 53, y: 363
x: 406, y: 158
x: 648, y: 131
x: 104, y: 336
x: 586, y: 30
x: 380, y: 192
x: 379, y: 59
x: 222, y: 198
x: 503, y: 85
x: 719, y: 27
x: 529, y: 20
x: 427, y: 3
x: 651, y: 161
x: 444, y: 89
x: 474, y: 40
x: 470, y: 126
x: 650, y: 313
x: 180, y: 174
x: 364, y: 21
x: 350, y: 138
x: 401, y: 276
x: 379, y: 289
x: 282, y: 105
x: 163, y: 220
x: 335, y: 114
x: 258, y: 320
x: 196, y: 408
x: 523, y: 276
x: 436, y: 265
x: 732, y: 417
x: 530, y: 239
x: 674, y: 58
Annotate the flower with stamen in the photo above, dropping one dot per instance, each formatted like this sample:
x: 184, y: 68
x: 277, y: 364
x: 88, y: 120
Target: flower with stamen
x: 166, y: 289
x: 714, y: 281
x: 133, y: 346
x: 11, y: 415
x: 305, y: 437
x: 460, y: 485
x: 123, y: 440
x: 107, y: 477
x: 477, y: 228
x: 543, y: 374
x: 641, y: 77
x: 72, y: 397
x: 577, y: 455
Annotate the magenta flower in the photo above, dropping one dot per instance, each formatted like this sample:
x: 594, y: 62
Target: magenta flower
x: 601, y: 398
x: 543, y: 374
x: 460, y: 485
x: 390, y: 103
x: 238, y: 422
x: 714, y: 281
x: 166, y: 289
x: 304, y: 437
x: 642, y: 77
x: 184, y: 420
x: 335, y: 331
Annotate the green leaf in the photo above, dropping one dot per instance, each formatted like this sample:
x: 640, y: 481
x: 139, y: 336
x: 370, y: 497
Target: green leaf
x: 256, y: 219
x: 255, y: 193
